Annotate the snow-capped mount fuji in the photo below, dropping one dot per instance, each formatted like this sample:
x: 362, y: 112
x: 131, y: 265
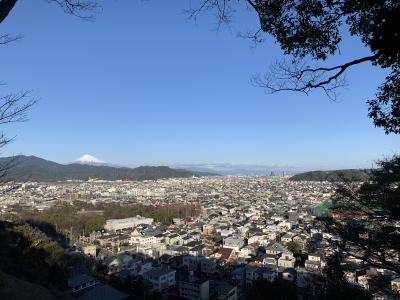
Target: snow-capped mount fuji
x: 32, y: 168
x: 88, y: 159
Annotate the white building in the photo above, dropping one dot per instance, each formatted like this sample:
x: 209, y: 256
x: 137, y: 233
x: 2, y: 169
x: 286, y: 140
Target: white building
x: 255, y: 239
x: 286, y: 260
x: 234, y: 242
x: 119, y: 224
x: 143, y: 239
x: 314, y: 262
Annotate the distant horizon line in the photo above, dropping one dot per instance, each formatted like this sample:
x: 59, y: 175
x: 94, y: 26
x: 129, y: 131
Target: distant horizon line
x: 221, y: 167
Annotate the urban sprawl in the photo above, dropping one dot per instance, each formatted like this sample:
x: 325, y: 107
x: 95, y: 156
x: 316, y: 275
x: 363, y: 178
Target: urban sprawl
x: 245, y: 228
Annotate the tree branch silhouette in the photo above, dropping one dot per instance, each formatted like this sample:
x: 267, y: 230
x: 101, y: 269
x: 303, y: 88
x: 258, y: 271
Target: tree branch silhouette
x: 298, y: 76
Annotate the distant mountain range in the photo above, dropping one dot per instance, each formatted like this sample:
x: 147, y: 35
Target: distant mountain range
x: 351, y: 175
x: 31, y: 168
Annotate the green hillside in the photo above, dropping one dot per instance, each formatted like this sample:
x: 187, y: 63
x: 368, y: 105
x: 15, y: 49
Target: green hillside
x: 350, y: 175
x: 31, y: 168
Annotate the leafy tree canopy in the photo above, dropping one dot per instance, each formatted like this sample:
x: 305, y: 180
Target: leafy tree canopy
x: 293, y: 247
x: 375, y: 238
x: 309, y: 31
x: 28, y: 253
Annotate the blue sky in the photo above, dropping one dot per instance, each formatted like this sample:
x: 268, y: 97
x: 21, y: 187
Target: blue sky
x: 143, y: 85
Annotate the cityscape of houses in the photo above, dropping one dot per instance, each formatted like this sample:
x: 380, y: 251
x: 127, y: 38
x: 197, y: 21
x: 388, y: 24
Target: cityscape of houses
x: 248, y: 228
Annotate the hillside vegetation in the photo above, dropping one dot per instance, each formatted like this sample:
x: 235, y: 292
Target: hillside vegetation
x: 31, y: 168
x: 83, y: 217
x: 351, y: 175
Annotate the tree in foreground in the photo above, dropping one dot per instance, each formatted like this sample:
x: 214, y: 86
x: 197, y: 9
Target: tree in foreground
x: 28, y: 253
x: 336, y: 286
x: 13, y: 108
x: 83, y: 9
x: 373, y: 234
x: 309, y: 32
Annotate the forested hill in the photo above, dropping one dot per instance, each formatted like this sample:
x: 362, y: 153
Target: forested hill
x: 31, y: 168
x: 351, y: 175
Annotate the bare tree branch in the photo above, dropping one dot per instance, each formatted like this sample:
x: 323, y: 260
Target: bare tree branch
x: 222, y: 7
x: 298, y: 76
x: 254, y: 36
x: 83, y: 9
x: 377, y: 258
x: 5, y: 39
x: 6, y: 166
x: 13, y: 108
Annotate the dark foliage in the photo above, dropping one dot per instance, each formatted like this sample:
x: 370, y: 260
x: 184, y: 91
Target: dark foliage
x: 84, y: 9
x: 385, y: 109
x: 30, y: 254
x: 382, y: 194
x: 276, y: 290
x: 294, y: 247
x: 374, y: 238
x: 336, y: 286
x: 311, y: 31
x: 135, y: 287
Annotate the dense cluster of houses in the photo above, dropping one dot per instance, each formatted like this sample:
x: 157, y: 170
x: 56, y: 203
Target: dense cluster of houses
x: 227, y: 246
x: 249, y: 228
